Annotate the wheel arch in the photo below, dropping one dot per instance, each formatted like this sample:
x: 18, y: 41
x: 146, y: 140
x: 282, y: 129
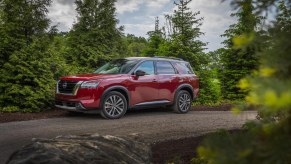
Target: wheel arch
x: 186, y: 87
x: 121, y: 89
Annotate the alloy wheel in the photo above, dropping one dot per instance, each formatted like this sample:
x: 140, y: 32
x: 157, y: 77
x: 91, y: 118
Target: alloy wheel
x: 114, y: 105
x: 184, y: 102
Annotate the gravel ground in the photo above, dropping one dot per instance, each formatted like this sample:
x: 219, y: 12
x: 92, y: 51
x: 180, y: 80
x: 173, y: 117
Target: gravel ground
x: 18, y: 116
x: 151, y: 126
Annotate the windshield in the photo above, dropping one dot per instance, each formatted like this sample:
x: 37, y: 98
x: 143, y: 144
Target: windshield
x: 118, y: 66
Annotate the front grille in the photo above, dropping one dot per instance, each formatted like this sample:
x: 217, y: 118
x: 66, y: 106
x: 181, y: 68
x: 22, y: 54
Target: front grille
x: 66, y: 87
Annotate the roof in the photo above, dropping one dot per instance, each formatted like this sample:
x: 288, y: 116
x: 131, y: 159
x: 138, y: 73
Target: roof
x: 156, y: 58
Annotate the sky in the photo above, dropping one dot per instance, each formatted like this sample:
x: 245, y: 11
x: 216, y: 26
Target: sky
x: 138, y: 16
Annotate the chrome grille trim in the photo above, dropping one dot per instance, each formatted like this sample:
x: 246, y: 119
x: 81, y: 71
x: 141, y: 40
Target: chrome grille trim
x: 72, y: 91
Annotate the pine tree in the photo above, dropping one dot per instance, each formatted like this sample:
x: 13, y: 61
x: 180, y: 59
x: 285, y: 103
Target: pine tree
x: 181, y: 39
x: 184, y: 42
x: 26, y: 79
x: 154, y: 41
x: 95, y: 37
x: 266, y: 140
x: 20, y: 21
x: 239, y: 62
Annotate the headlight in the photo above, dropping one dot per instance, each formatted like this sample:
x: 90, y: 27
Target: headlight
x: 89, y: 84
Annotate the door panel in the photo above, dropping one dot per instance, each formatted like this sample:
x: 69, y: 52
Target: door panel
x: 167, y: 86
x: 168, y: 80
x: 144, y: 88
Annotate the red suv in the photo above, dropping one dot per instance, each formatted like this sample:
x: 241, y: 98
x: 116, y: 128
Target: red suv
x: 130, y: 83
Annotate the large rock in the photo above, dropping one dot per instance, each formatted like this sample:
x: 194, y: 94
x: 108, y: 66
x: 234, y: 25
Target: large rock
x: 83, y: 149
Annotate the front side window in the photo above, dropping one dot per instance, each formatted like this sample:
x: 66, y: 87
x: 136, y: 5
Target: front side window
x: 118, y: 66
x: 165, y: 67
x: 147, y: 67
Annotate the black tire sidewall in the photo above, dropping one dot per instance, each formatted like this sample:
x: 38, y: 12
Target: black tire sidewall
x: 104, y: 114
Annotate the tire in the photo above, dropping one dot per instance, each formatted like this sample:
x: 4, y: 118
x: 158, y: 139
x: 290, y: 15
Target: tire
x: 182, y: 102
x: 114, y: 105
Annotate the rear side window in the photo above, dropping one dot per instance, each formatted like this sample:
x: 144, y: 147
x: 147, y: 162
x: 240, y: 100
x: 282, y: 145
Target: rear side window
x: 184, y: 68
x: 164, y: 67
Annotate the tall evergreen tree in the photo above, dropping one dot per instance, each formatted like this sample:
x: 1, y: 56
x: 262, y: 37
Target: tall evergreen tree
x: 20, y: 21
x: 26, y: 79
x: 95, y: 37
x: 184, y: 42
x: 154, y: 41
x: 266, y: 140
x: 239, y: 61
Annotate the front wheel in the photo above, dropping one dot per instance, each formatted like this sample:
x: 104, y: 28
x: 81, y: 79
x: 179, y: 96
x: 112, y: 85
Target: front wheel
x: 114, y: 105
x: 182, y: 102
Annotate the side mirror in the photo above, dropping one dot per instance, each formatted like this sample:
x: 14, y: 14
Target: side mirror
x: 139, y: 73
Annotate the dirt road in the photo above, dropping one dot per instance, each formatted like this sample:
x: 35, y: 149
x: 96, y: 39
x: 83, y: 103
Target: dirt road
x: 150, y: 126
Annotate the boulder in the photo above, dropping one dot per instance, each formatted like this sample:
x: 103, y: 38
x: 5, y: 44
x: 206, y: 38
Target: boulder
x: 83, y: 149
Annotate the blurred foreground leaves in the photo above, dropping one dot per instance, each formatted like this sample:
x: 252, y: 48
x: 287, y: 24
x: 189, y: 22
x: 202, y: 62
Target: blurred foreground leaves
x: 267, y: 140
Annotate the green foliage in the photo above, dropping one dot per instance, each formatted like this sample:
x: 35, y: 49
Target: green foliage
x: 20, y: 21
x: 58, y: 50
x: 198, y: 161
x: 182, y: 41
x: 135, y: 45
x: 155, y: 40
x: 209, y: 88
x: 94, y: 39
x: 239, y: 61
x: 267, y: 140
x: 258, y: 143
x: 33, y: 57
x: 26, y: 79
x: 186, y: 45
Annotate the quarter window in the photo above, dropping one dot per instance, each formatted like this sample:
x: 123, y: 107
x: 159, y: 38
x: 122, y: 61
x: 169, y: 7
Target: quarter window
x: 183, y: 68
x: 164, y: 67
x: 147, y: 67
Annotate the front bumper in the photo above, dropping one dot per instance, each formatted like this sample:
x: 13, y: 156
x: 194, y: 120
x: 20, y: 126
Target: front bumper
x: 70, y: 106
x: 74, y: 107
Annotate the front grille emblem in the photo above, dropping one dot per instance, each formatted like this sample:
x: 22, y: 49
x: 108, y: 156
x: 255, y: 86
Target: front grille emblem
x: 64, y: 85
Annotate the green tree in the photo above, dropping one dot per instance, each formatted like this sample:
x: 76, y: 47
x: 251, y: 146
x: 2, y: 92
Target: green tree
x: 135, y: 46
x: 154, y: 41
x: 58, y: 49
x: 20, y: 21
x: 26, y: 79
x: 214, y: 58
x: 267, y: 140
x: 95, y: 37
x: 184, y: 37
x: 182, y: 34
x: 239, y: 62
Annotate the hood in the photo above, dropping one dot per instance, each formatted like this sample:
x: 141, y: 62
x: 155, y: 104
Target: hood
x: 86, y: 77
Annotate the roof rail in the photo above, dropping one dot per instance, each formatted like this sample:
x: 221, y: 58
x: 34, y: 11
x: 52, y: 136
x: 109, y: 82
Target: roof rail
x: 166, y: 57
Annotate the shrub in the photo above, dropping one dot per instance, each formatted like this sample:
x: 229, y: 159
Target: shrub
x: 209, y: 88
x: 26, y: 80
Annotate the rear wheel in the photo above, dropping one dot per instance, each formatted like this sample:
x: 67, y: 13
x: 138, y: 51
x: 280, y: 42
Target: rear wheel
x: 114, y: 105
x: 182, y: 102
